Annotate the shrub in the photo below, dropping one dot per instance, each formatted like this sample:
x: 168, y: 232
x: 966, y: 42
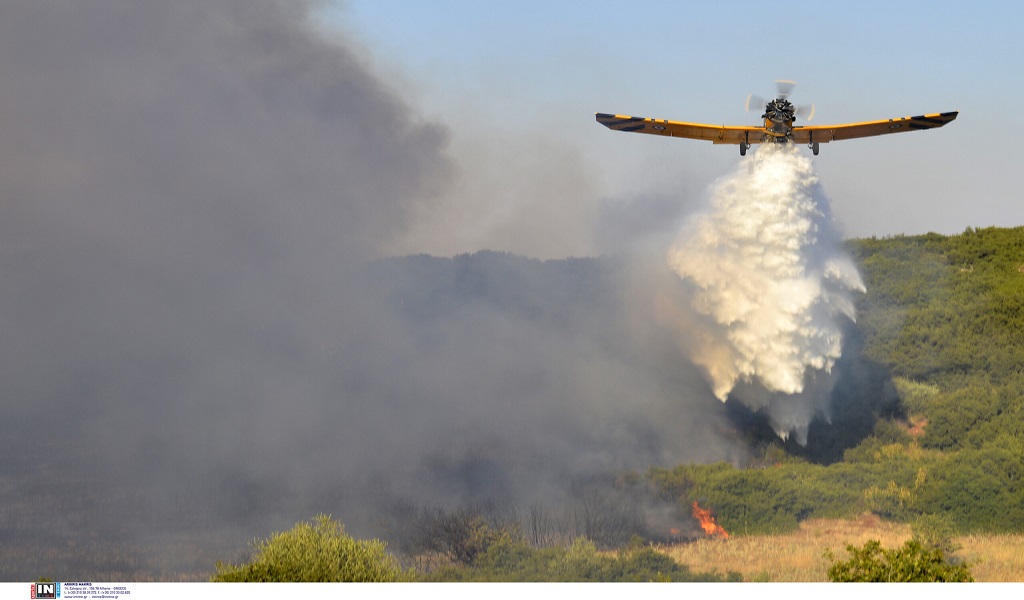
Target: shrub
x: 979, y: 490
x: 318, y: 551
x: 911, y: 562
x: 891, y: 502
x: 936, y: 531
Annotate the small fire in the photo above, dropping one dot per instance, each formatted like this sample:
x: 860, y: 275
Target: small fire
x: 707, y: 522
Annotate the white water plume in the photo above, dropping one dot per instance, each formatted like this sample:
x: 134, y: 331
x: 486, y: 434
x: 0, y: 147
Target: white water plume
x: 771, y: 285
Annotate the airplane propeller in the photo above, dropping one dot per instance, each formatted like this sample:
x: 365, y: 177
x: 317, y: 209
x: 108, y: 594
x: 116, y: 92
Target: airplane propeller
x: 755, y: 102
x: 806, y: 111
x: 783, y: 88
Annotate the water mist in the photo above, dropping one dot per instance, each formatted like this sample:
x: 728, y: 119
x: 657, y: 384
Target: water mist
x: 770, y: 286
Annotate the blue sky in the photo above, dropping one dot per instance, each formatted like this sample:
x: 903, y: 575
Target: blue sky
x: 517, y: 85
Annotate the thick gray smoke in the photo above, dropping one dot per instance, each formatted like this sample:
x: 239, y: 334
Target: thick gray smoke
x: 199, y: 341
x: 771, y: 288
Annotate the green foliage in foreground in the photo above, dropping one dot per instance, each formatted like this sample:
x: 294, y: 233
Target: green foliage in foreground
x: 512, y: 559
x: 319, y: 552
x: 911, y: 562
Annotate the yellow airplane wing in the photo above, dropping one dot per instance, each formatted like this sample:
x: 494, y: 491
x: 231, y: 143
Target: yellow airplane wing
x: 718, y: 134
x: 829, y: 133
x: 730, y: 134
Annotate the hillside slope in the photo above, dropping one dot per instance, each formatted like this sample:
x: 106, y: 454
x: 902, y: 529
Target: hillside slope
x: 944, y: 315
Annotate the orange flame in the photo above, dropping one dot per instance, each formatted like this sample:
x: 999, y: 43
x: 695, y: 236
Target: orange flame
x: 707, y: 522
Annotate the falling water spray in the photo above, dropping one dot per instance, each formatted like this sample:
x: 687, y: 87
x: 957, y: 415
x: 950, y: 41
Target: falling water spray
x: 770, y: 287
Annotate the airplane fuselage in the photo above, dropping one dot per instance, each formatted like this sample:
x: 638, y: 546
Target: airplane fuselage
x: 778, y: 116
x: 777, y: 132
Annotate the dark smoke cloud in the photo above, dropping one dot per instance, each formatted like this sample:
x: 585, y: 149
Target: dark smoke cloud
x: 197, y: 334
x: 186, y: 193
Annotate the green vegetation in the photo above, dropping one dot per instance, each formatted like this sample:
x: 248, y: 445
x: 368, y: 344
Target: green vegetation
x: 511, y: 558
x: 321, y: 552
x: 944, y: 316
x: 318, y: 551
x: 948, y: 311
x: 928, y: 556
x: 911, y: 562
x: 461, y: 545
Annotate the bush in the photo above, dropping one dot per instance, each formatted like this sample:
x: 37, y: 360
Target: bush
x: 510, y: 558
x: 936, y: 531
x: 318, y: 551
x: 979, y: 490
x: 911, y: 562
x: 891, y: 502
x: 461, y: 536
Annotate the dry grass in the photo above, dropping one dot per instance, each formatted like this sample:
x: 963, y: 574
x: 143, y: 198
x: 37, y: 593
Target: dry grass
x: 800, y: 556
x: 993, y: 557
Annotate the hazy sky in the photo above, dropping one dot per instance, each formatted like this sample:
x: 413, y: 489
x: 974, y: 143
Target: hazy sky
x: 518, y: 84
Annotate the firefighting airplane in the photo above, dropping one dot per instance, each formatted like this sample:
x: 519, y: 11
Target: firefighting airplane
x: 779, y: 115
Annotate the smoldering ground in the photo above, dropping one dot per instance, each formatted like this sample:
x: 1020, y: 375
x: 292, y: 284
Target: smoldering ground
x: 201, y: 342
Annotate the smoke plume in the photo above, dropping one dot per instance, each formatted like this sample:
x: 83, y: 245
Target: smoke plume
x: 201, y: 342
x: 771, y: 288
